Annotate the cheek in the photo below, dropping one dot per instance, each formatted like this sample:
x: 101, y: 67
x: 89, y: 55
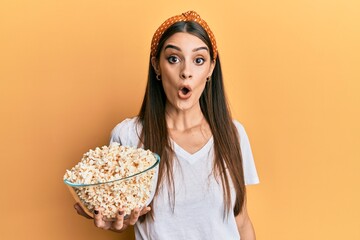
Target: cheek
x: 166, y: 85
x: 202, y: 87
x: 201, y: 80
x: 169, y: 73
x: 203, y: 73
x: 169, y: 78
x: 169, y: 88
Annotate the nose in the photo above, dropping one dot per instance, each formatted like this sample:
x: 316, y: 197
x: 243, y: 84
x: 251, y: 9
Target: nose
x: 185, y: 72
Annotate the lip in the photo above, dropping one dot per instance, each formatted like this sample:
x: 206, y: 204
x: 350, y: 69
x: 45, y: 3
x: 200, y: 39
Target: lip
x: 182, y: 95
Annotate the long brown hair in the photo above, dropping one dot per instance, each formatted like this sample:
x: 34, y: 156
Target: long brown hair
x: 213, y: 103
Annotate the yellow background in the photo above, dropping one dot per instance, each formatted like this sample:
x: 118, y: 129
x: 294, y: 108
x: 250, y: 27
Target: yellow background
x: 71, y: 70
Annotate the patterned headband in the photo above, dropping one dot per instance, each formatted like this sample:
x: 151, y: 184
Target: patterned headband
x: 187, y: 16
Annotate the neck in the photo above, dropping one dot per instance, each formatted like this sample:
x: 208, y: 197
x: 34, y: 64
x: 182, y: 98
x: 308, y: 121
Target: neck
x: 183, y: 120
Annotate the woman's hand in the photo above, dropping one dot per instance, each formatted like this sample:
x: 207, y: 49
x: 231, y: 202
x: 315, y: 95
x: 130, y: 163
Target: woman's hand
x: 118, y: 225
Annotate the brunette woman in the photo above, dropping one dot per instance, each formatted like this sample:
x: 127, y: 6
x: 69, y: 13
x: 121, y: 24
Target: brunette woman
x: 206, y: 159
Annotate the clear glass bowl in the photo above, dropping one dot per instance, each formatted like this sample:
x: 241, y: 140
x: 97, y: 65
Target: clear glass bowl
x: 130, y: 192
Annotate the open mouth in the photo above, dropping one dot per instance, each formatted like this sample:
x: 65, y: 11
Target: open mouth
x: 185, y: 90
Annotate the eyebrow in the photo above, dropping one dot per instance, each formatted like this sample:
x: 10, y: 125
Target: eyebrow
x: 172, y: 46
x: 200, y: 48
x: 179, y: 49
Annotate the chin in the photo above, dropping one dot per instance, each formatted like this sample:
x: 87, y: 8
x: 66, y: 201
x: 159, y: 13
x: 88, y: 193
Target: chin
x: 185, y: 106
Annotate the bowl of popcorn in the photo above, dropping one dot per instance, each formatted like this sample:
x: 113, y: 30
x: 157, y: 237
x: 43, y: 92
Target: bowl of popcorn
x: 113, y: 177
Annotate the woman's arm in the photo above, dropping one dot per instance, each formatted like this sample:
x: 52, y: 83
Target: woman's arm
x: 244, y: 225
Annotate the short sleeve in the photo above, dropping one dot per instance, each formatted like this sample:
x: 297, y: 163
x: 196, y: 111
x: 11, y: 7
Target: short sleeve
x: 250, y: 173
x: 126, y: 133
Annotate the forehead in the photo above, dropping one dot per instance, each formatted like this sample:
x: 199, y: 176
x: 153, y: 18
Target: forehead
x: 184, y: 40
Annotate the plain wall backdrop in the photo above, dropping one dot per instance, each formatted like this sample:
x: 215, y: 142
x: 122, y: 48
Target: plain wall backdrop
x: 71, y: 70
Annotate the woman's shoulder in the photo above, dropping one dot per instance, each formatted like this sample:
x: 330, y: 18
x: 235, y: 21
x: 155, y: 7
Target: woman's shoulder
x: 244, y: 139
x: 240, y: 128
x: 126, y: 123
x: 126, y: 131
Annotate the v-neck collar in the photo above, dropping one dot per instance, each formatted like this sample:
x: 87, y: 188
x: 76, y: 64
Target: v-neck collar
x: 192, y: 157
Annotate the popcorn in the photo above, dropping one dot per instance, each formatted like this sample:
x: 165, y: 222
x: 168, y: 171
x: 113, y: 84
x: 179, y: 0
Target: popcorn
x: 103, y: 167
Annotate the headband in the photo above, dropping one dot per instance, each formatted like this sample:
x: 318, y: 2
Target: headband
x: 187, y: 16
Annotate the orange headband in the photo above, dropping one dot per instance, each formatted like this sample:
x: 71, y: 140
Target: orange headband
x: 188, y: 16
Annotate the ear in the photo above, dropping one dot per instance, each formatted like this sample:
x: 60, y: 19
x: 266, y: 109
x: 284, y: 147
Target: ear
x: 212, y: 66
x: 155, y: 65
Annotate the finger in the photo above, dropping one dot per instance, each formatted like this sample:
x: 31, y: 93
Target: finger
x: 98, y: 219
x: 119, y: 222
x: 134, y: 216
x: 81, y: 211
x: 145, y: 210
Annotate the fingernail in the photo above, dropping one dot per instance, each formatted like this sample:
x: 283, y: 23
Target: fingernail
x: 96, y: 212
x: 121, y: 212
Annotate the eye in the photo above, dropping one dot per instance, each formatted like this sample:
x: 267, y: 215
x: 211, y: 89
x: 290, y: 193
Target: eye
x: 199, y: 61
x: 173, y: 59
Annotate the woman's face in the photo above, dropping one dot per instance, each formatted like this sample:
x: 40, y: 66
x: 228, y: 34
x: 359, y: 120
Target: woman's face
x: 184, y: 65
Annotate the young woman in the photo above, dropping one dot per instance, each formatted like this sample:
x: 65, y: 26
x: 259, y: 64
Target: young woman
x: 206, y: 159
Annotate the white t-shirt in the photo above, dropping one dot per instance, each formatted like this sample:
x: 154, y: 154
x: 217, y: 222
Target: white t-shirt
x: 199, y: 203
